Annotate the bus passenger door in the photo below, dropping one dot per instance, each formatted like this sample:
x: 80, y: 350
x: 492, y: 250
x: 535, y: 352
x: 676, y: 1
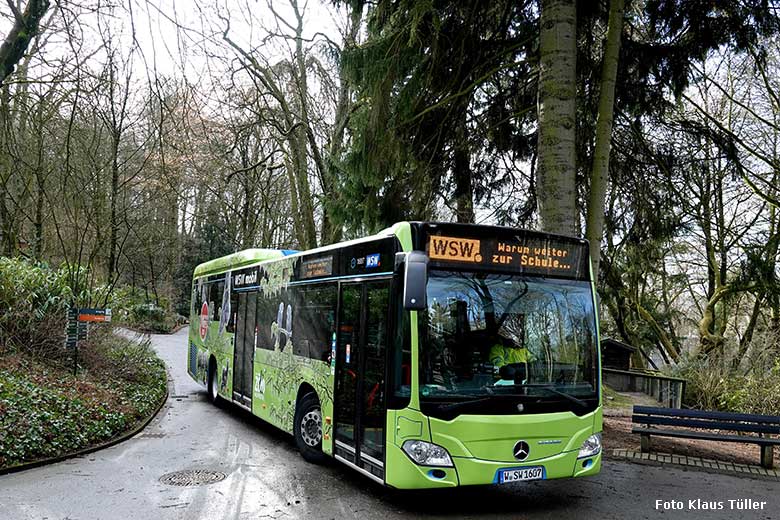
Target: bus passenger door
x: 360, y: 375
x: 244, y: 349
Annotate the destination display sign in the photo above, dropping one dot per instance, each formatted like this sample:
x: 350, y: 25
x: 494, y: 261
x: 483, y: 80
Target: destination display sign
x: 317, y: 267
x: 549, y: 256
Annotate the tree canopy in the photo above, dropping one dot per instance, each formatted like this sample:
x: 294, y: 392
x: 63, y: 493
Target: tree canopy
x: 651, y: 127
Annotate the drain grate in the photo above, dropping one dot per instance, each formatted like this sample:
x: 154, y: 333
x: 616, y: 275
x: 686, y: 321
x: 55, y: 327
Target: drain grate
x: 192, y: 477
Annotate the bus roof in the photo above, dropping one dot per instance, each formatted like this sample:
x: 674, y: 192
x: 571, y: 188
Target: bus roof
x: 239, y: 259
x: 253, y: 256
x: 411, y: 235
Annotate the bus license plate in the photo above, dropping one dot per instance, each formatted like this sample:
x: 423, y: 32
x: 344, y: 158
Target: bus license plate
x: 518, y: 474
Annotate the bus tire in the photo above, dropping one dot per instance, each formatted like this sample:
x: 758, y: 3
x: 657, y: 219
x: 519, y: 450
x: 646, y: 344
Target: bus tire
x: 307, y: 428
x: 212, y: 384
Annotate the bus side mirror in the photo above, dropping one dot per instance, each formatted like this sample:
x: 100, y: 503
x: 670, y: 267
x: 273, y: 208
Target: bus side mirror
x: 415, y: 269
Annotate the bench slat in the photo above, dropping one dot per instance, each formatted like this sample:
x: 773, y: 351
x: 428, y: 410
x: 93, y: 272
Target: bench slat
x: 706, y: 414
x: 707, y: 437
x: 699, y: 423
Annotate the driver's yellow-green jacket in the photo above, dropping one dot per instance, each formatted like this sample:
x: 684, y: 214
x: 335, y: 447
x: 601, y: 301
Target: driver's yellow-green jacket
x: 501, y: 355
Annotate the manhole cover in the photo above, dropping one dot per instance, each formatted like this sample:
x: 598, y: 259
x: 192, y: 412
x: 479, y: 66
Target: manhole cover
x: 192, y: 477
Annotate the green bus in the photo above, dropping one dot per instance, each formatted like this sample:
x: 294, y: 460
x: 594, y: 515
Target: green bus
x: 429, y: 355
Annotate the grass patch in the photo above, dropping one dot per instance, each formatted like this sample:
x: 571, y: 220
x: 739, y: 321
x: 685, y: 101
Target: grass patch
x: 612, y: 399
x: 45, y: 411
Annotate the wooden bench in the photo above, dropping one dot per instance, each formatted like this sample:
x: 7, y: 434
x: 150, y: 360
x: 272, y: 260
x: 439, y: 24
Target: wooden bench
x: 697, y: 422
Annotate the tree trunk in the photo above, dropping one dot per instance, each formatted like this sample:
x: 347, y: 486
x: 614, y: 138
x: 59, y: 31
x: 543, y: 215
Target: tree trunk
x: 464, y: 188
x: 600, y: 174
x: 331, y: 231
x: 308, y: 236
x: 305, y: 202
x: 747, y: 337
x: 114, y: 234
x: 557, y: 117
x: 25, y: 28
x: 7, y: 216
x: 38, y: 225
x: 296, y: 221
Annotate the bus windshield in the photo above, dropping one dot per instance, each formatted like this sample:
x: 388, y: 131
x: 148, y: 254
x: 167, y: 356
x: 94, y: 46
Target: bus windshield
x: 490, y: 334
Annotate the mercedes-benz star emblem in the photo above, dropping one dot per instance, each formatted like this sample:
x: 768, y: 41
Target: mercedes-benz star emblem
x: 521, y: 450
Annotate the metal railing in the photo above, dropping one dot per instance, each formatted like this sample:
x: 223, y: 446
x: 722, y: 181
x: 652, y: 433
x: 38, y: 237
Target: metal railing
x: 666, y: 390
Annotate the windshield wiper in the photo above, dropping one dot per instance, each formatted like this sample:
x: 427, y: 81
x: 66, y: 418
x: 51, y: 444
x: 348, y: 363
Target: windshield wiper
x: 555, y: 391
x: 460, y: 404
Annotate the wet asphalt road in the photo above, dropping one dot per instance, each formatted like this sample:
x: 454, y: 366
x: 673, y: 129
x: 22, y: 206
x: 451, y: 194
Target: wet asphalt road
x: 267, y: 479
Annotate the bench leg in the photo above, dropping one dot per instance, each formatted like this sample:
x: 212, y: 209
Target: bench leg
x: 767, y: 456
x: 644, y: 443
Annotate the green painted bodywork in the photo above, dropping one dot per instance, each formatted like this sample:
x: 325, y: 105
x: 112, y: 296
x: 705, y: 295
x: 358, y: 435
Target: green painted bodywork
x: 237, y: 260
x: 277, y: 374
x: 479, y: 445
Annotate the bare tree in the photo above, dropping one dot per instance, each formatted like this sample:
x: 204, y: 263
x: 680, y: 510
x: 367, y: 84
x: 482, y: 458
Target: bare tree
x: 25, y: 28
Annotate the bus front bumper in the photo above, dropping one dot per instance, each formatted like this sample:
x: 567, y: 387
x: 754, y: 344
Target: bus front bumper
x: 405, y: 474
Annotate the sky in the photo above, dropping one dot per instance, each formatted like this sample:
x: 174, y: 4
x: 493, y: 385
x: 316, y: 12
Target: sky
x: 174, y: 38
x: 178, y: 38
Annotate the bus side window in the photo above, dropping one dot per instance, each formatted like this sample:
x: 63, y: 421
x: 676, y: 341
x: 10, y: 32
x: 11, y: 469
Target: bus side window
x: 194, y: 298
x: 314, y: 321
x: 267, y: 306
x: 216, y: 298
x: 401, y: 360
x: 231, y: 326
x: 297, y: 297
x: 213, y: 300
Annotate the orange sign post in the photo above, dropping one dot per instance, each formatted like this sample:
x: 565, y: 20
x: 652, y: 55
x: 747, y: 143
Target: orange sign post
x: 95, y: 315
x: 76, y: 323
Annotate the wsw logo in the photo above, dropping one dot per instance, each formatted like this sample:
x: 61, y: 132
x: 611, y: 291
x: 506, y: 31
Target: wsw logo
x: 460, y: 249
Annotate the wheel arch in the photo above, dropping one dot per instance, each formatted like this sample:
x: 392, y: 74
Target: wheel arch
x: 303, y: 389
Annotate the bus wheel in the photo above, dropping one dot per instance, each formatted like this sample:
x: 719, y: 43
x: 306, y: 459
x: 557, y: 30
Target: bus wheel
x: 212, y: 383
x: 308, y: 428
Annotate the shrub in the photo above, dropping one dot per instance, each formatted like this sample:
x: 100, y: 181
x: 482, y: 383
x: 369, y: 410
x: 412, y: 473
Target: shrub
x: 147, y: 312
x: 45, y: 411
x: 755, y: 393
x: 34, y: 299
x: 148, y: 317
x: 711, y: 387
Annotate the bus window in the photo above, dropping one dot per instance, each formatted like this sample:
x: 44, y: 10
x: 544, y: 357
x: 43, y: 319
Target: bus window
x: 347, y: 372
x: 193, y: 298
x: 314, y: 321
x: 231, y: 326
x: 216, y: 299
x: 267, y: 305
x: 210, y: 291
x: 401, y: 361
x: 374, y: 370
x: 250, y: 336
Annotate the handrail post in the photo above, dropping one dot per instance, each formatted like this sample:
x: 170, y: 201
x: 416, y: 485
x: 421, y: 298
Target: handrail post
x: 767, y: 456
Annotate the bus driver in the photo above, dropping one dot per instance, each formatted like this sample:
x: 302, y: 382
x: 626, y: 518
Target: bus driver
x: 506, y: 354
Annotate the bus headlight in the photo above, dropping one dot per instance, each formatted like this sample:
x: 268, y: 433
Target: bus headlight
x: 427, y: 454
x: 591, y: 446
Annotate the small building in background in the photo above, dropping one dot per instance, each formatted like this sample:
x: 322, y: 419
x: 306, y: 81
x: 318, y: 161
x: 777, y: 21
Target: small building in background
x: 616, y: 354
x: 618, y: 375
